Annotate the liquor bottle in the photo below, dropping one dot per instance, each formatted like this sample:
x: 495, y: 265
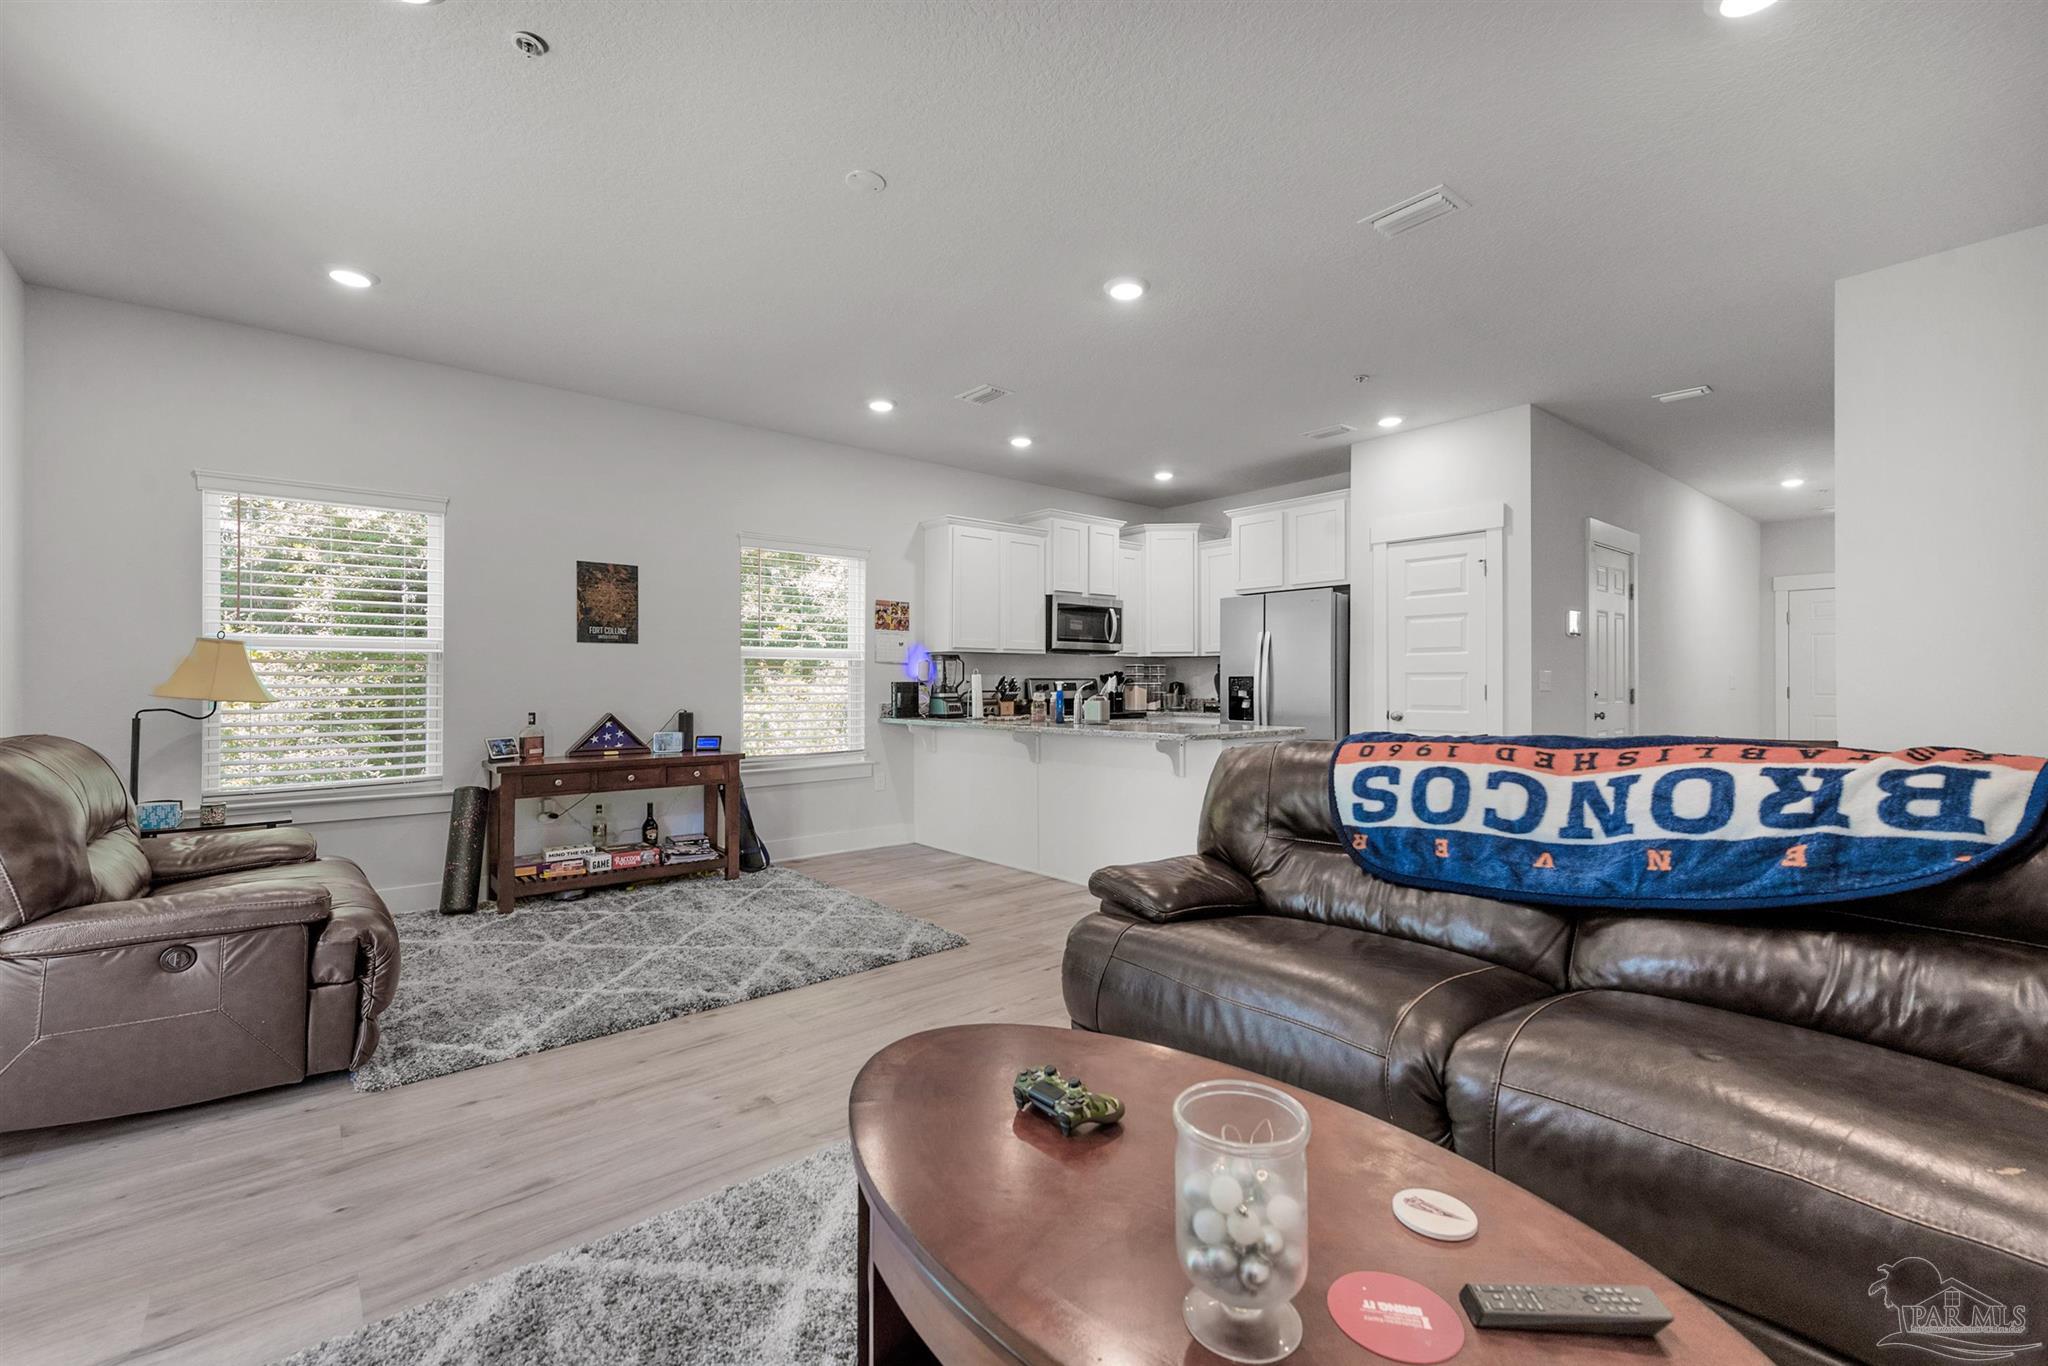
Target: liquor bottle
x: 533, y: 746
x: 650, y: 830
x: 600, y: 831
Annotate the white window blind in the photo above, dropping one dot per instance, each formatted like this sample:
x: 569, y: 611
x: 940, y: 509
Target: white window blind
x: 338, y: 595
x: 803, y: 641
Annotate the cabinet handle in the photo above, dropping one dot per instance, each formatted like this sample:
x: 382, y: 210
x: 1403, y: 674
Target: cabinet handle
x: 558, y: 782
x: 696, y: 773
x: 632, y: 777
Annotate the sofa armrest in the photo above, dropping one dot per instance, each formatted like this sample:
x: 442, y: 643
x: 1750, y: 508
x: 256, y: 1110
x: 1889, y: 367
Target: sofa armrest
x: 203, y: 853
x: 1174, y: 888
x: 199, y: 914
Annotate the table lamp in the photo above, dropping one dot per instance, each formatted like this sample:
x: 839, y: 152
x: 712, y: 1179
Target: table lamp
x: 217, y: 670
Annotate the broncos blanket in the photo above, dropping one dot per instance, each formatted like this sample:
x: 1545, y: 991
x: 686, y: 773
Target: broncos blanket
x: 1675, y: 821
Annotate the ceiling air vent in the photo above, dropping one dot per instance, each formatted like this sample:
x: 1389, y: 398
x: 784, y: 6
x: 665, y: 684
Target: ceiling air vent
x: 1680, y: 395
x: 1413, y: 213
x: 982, y: 393
x: 1326, y: 433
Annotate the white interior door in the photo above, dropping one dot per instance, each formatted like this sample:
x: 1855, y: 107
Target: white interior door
x: 1810, y: 643
x: 1437, y: 632
x: 1610, y: 647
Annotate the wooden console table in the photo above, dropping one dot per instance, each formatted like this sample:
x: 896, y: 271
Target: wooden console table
x: 717, y: 774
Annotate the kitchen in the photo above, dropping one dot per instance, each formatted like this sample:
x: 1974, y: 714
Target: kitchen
x: 1105, y: 756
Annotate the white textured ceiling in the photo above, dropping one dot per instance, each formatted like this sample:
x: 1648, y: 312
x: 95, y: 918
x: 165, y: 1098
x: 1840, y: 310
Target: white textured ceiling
x: 655, y: 211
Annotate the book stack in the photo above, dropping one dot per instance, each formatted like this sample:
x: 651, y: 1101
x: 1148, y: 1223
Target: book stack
x: 687, y: 849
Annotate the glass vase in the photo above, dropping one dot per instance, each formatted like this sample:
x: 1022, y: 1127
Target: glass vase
x: 1240, y: 1174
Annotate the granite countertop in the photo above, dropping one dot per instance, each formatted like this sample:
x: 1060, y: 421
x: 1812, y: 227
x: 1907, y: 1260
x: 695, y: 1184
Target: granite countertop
x: 1156, y: 726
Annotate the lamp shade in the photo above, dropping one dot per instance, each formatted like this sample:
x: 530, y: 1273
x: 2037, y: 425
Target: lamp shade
x: 217, y: 670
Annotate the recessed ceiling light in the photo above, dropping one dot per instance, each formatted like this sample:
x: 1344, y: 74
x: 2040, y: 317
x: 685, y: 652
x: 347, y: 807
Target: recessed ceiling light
x: 354, y: 279
x: 1391, y: 421
x: 1738, y: 9
x: 1164, y: 476
x: 419, y: 2
x: 1125, y: 289
x: 881, y: 405
x: 1022, y: 443
x: 1675, y: 395
x: 1794, y: 482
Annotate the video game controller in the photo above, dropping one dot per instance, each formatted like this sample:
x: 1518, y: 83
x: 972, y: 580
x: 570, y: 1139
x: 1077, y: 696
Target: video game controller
x: 1064, y: 1100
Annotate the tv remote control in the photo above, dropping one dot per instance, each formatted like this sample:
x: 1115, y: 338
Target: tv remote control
x: 1630, y: 1310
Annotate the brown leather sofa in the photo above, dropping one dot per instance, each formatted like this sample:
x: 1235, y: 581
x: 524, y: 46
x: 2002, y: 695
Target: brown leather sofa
x: 140, y: 974
x: 1773, y: 1108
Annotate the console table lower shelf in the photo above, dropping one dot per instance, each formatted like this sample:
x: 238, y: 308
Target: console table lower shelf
x: 717, y: 774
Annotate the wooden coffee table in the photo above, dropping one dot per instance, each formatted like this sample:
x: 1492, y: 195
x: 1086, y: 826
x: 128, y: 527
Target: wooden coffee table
x: 986, y: 1237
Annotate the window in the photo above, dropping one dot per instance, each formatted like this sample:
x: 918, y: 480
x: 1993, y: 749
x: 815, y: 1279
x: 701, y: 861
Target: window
x: 802, y: 648
x: 338, y: 595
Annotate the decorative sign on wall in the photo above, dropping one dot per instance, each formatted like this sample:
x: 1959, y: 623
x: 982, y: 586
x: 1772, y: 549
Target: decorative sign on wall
x: 607, y: 603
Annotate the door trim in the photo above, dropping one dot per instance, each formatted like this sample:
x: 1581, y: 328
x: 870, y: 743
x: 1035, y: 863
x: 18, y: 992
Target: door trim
x: 1783, y: 586
x: 1487, y: 519
x: 1626, y: 542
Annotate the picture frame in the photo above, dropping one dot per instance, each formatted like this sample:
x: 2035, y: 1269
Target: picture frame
x: 666, y: 742
x: 503, y: 751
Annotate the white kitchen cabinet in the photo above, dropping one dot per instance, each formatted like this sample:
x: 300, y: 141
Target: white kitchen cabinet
x: 1130, y: 586
x: 1081, y: 554
x: 1023, y: 591
x: 1299, y: 543
x: 1256, y: 534
x: 1215, y: 573
x: 974, y: 578
x: 1172, y: 601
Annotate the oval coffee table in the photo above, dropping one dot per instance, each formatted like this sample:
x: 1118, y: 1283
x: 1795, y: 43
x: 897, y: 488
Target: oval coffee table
x: 986, y: 1237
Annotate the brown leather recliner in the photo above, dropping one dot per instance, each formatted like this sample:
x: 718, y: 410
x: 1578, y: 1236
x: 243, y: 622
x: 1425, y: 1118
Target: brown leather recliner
x: 140, y: 974
x: 1773, y: 1107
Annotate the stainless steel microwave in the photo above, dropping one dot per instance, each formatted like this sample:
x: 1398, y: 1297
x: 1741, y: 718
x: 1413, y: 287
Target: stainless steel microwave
x: 1082, y: 623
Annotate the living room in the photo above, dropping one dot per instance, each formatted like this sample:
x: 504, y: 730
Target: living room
x: 615, y: 619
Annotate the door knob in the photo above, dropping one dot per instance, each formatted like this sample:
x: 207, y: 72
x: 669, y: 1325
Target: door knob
x: 1395, y: 715
x: 1599, y: 716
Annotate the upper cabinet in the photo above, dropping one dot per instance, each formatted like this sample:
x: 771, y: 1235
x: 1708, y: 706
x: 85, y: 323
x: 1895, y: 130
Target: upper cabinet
x: 1215, y: 573
x: 983, y: 586
x: 1299, y: 543
x: 1081, y: 550
x: 1130, y: 586
x: 1172, y: 612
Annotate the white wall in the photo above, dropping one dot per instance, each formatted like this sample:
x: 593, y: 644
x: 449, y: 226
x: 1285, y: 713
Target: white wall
x: 124, y: 402
x: 13, y: 518
x: 1804, y: 545
x: 1696, y: 589
x: 1481, y: 459
x: 1941, y: 460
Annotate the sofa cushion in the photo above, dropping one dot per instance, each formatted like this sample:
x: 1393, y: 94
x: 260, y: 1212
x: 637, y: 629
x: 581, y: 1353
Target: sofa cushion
x: 66, y: 838
x: 1774, y: 1168
x: 1267, y: 814
x: 1365, y: 1019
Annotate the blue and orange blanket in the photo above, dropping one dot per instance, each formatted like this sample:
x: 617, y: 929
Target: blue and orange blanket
x: 1676, y: 821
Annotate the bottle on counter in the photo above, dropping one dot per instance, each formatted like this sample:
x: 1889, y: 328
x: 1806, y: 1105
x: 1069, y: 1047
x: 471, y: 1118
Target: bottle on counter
x: 650, y: 829
x: 533, y: 746
x: 1059, y: 706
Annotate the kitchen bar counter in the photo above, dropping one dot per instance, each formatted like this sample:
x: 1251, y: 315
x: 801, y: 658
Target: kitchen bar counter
x: 1161, y: 726
x: 1065, y: 800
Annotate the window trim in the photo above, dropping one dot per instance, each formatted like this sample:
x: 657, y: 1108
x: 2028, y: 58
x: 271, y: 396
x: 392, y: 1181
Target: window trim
x: 823, y: 765
x: 425, y: 785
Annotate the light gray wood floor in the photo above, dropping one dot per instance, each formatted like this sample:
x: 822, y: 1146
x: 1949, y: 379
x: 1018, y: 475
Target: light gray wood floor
x: 248, y: 1228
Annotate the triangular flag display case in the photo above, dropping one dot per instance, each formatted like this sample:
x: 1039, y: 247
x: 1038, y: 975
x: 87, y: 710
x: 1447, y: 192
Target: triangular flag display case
x: 608, y: 738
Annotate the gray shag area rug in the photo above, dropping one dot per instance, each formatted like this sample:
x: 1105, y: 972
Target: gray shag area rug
x: 476, y: 989
x: 760, y: 1273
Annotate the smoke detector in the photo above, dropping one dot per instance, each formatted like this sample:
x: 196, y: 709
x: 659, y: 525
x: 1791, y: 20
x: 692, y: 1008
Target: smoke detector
x: 530, y: 44
x: 1414, y: 211
x: 1326, y: 433
x: 982, y: 393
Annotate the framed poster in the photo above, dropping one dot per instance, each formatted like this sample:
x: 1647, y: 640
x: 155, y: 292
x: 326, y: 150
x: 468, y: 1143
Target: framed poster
x: 607, y: 603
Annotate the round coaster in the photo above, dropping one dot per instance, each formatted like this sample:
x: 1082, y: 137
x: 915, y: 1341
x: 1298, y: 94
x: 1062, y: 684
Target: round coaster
x: 1395, y: 1317
x: 1433, y: 1214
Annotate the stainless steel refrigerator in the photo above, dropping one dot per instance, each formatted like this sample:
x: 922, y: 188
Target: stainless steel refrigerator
x: 1287, y: 660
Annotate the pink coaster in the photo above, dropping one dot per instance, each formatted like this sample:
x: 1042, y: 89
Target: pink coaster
x: 1396, y: 1317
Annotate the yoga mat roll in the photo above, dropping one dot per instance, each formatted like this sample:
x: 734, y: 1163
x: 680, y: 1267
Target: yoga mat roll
x: 468, y: 816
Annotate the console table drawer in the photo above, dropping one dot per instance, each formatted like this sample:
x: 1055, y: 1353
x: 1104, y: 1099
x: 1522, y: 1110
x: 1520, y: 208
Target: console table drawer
x: 623, y: 779
x: 540, y: 785
x: 696, y: 773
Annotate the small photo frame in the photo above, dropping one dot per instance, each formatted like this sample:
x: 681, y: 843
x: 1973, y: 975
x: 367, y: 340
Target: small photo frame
x: 501, y: 751
x: 666, y: 742
x: 709, y: 744
x: 213, y: 813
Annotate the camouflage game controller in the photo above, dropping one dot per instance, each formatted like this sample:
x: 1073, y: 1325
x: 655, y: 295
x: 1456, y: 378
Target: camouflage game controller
x: 1064, y: 1100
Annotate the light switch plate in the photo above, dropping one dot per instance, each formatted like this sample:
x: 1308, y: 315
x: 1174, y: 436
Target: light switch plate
x: 1543, y: 680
